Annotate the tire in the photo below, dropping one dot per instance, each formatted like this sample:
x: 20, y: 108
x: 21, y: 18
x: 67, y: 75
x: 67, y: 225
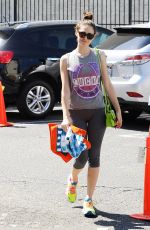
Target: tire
x: 36, y: 99
x: 131, y: 114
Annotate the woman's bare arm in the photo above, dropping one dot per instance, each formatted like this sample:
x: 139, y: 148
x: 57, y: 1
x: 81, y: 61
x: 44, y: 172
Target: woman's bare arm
x: 65, y: 92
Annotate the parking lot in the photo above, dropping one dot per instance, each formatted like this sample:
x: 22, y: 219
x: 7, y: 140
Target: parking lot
x: 33, y: 180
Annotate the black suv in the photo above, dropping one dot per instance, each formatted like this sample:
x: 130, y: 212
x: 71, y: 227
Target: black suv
x: 26, y: 45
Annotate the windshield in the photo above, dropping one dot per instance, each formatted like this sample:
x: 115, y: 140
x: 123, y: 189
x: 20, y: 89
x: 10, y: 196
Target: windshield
x: 125, y: 42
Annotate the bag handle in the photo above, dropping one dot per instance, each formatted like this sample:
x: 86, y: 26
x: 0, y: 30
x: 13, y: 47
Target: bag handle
x: 106, y: 98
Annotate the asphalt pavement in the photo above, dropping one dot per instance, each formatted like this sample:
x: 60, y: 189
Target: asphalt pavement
x: 33, y: 180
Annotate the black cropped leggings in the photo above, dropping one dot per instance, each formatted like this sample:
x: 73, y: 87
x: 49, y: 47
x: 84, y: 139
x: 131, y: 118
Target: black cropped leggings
x: 93, y: 121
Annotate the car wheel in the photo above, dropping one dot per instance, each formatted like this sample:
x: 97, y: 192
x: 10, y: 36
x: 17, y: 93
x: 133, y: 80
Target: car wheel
x: 131, y: 114
x: 36, y: 99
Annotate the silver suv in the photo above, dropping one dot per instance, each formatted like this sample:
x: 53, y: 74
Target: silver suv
x: 128, y: 59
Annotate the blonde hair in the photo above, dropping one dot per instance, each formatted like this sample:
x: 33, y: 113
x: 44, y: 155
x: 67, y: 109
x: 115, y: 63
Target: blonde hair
x: 87, y: 20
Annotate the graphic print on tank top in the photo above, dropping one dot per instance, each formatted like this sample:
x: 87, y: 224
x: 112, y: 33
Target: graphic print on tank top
x: 86, y: 80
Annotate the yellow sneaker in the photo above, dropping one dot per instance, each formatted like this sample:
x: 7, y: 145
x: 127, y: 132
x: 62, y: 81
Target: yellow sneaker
x: 88, y: 208
x: 71, y: 192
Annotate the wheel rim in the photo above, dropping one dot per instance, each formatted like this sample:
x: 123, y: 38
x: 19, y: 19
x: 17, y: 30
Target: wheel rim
x: 38, y: 99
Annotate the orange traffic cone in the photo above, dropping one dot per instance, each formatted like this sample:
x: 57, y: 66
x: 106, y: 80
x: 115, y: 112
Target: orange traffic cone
x: 146, y: 212
x: 3, y: 119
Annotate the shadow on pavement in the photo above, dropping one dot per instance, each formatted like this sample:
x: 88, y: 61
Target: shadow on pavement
x: 120, y: 221
x: 15, y: 117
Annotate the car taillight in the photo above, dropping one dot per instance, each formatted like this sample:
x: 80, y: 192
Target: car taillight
x: 6, y: 56
x: 138, y: 59
x: 134, y: 94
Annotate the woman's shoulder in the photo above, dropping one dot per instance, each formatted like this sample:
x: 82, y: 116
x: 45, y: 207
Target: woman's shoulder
x: 64, y: 59
x: 102, y: 53
x: 66, y: 56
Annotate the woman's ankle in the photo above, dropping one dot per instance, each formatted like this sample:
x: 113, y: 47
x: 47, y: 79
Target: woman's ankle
x: 88, y: 199
x: 74, y: 179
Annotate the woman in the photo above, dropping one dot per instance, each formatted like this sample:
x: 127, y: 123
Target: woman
x: 82, y: 105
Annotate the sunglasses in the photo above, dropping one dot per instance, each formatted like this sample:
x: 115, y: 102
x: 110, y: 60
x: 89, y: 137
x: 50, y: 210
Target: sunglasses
x: 83, y: 34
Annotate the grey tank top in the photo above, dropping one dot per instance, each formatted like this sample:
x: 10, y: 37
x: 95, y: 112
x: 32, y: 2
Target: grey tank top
x: 84, y: 77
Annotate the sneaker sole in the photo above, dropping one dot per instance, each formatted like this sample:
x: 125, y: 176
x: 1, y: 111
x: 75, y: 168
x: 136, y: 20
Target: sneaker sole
x: 90, y: 215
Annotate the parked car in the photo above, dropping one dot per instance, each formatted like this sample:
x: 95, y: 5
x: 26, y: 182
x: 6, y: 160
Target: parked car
x: 128, y: 59
x: 26, y: 45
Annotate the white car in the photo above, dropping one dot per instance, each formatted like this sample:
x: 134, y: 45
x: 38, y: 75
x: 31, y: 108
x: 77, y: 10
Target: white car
x: 128, y: 59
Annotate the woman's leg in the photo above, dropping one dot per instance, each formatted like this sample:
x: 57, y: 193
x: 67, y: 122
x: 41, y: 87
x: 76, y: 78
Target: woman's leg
x: 79, y: 120
x: 96, y: 130
x: 92, y: 178
x: 74, y: 174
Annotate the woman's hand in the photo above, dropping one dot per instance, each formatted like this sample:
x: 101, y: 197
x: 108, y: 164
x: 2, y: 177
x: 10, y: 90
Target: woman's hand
x: 119, y: 119
x: 66, y: 123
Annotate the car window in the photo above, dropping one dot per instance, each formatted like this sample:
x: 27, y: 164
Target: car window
x: 32, y: 38
x: 2, y: 41
x: 100, y: 38
x: 64, y: 37
x: 60, y: 38
x: 5, y: 34
x: 50, y: 37
x: 125, y: 42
